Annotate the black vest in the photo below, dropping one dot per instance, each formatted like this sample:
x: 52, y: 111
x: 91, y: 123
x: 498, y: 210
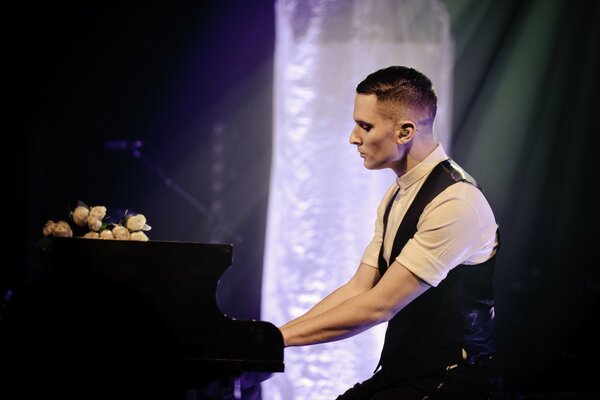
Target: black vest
x: 431, y: 332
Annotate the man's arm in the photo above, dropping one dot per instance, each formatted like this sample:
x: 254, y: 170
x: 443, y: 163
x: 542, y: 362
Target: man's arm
x: 364, y: 279
x: 357, y: 313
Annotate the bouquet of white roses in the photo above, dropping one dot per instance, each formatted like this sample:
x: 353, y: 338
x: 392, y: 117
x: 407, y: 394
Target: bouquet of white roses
x: 93, y: 223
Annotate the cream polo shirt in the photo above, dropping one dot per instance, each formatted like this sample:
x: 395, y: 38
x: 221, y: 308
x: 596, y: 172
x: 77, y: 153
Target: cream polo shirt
x: 457, y: 227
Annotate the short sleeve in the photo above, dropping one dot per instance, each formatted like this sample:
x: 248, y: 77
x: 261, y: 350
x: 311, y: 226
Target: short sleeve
x: 457, y: 227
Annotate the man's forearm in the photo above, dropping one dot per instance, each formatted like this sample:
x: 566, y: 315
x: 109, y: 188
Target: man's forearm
x: 336, y: 297
x: 349, y: 318
x: 359, y: 312
x: 363, y: 280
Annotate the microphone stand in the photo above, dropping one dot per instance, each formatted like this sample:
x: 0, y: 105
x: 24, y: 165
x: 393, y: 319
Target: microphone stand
x: 135, y: 150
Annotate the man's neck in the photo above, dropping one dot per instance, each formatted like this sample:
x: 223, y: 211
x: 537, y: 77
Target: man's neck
x: 421, y: 148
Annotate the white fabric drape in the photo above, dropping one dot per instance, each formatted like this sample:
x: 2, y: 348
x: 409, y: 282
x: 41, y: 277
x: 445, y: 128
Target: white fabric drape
x: 322, y: 200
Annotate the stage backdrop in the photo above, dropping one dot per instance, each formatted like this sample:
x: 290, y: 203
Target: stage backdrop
x: 322, y: 200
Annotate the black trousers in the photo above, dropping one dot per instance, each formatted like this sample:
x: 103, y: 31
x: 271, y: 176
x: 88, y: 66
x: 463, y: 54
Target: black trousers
x: 464, y: 382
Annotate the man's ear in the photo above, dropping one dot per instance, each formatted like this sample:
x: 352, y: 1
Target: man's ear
x: 405, y: 130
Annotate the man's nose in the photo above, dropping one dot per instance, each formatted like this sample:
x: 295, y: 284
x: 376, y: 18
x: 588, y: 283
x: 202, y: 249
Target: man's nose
x: 354, y: 136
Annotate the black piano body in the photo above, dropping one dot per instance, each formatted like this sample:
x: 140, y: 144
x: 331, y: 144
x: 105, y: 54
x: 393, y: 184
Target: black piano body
x: 138, y: 317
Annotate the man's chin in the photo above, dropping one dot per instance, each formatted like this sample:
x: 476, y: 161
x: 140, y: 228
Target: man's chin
x: 372, y: 167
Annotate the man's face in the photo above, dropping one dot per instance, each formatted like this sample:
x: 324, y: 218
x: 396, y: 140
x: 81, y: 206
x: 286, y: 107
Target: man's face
x: 374, y: 135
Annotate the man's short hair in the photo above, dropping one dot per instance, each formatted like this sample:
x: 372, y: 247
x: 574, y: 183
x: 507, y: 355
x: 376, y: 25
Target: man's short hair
x: 405, y: 87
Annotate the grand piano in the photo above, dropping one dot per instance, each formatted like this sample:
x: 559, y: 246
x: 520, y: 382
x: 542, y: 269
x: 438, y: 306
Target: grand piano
x: 127, y: 319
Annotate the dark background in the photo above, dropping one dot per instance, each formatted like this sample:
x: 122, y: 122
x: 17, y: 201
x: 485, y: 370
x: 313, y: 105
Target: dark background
x: 193, y: 81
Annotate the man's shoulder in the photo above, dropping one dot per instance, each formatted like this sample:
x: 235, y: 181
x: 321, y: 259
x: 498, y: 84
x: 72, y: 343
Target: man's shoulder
x: 464, y: 195
x: 458, y: 173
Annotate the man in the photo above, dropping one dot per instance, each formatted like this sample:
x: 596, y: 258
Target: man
x: 429, y: 267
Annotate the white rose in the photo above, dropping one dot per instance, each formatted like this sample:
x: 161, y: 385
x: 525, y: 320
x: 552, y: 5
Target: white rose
x: 94, y: 223
x: 92, y: 235
x: 120, y: 232
x: 136, y: 222
x: 98, y: 212
x: 80, y: 215
x: 48, y: 228
x: 106, y: 234
x: 62, y: 229
x: 139, y: 236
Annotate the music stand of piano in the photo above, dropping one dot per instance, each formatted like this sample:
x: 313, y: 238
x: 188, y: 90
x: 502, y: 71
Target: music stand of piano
x: 143, y: 315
